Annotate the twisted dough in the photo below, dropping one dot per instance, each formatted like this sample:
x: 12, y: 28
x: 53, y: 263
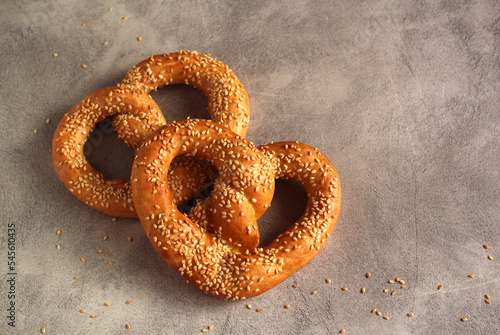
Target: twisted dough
x: 198, y: 252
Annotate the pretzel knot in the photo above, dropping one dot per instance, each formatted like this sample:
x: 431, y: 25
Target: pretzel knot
x: 210, y: 249
x: 135, y: 116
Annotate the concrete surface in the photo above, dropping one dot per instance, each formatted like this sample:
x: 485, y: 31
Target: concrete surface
x: 402, y: 96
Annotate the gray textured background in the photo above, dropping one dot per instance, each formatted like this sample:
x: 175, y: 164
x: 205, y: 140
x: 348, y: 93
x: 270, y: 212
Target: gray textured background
x: 402, y: 96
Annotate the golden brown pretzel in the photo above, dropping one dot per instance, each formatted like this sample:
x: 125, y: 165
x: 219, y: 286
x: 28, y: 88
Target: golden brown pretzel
x: 112, y: 196
x: 136, y: 115
x: 205, y: 259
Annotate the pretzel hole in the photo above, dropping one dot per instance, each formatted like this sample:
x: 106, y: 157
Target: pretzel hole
x: 107, y: 153
x: 178, y: 102
x: 288, y: 205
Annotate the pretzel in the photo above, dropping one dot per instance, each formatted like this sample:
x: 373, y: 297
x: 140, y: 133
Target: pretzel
x: 136, y: 116
x: 198, y: 252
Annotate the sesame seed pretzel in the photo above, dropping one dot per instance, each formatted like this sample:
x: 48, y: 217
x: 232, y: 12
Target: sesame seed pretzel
x: 136, y: 116
x: 197, y: 251
x: 113, y: 196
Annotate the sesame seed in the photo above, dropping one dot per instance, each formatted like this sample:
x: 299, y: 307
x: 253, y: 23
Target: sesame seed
x: 393, y: 292
x: 386, y: 290
x: 373, y: 310
x: 105, y: 238
x: 487, y: 296
x: 314, y: 292
x: 55, y: 54
x: 139, y: 38
x: 83, y: 259
x: 105, y: 43
x: 410, y: 314
x: 35, y: 131
x: 287, y: 306
x: 249, y: 306
x: 344, y: 288
x: 488, y: 301
x: 111, y: 263
x: 342, y: 331
x: 386, y: 317
x: 130, y: 239
x: 58, y: 246
x: 204, y: 330
x: 93, y: 316
x: 295, y: 286
x: 82, y: 311
x: 490, y: 257
x: 107, y: 303
x: 378, y: 313
x: 464, y: 319
x: 84, y: 66
x: 363, y: 290
x: 128, y: 302
x: 486, y: 246
x: 391, y: 281
x: 328, y: 281
x: 471, y: 275
x: 84, y: 24
x: 42, y: 330
x: 127, y: 326
x: 125, y: 17
x: 210, y: 327
x: 58, y: 232
x: 440, y: 287
x: 258, y: 310
x: 114, y: 219
x: 77, y: 277
x: 368, y: 275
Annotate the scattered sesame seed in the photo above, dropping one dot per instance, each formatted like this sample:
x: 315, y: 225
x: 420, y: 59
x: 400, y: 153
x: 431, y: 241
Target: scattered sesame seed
x: 440, y: 287
x: 204, y: 330
x: 93, y: 316
x: 487, y: 296
x: 385, y: 317
x: 344, y: 288
x: 110, y: 9
x: 105, y: 238
x: 328, y: 281
x: 105, y: 43
x: 287, y: 306
x: 58, y: 246
x: 130, y: 239
x: 342, y: 331
x: 471, y: 275
x: 84, y: 66
x: 210, y: 327
x: 127, y: 326
x: 114, y: 219
x: 125, y: 18
x: 77, y: 277
x: 139, y: 38
x: 393, y: 292
x: 55, y: 54
x: 42, y: 330
x: 410, y: 314
x: 368, y: 275
x: 386, y: 290
x: 378, y: 313
x: 374, y: 310
x: 58, y: 232
x: 486, y: 246
x: 249, y: 306
x: 314, y: 292
x: 99, y: 251
x: 403, y: 286
x: 488, y: 301
x: 82, y: 311
x: 128, y: 302
x: 35, y: 131
x: 295, y: 286
x: 83, y: 259
x: 111, y: 263
x: 107, y: 303
x: 258, y: 310
x: 363, y: 290
x: 464, y: 319
x: 391, y: 281
x: 490, y: 257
